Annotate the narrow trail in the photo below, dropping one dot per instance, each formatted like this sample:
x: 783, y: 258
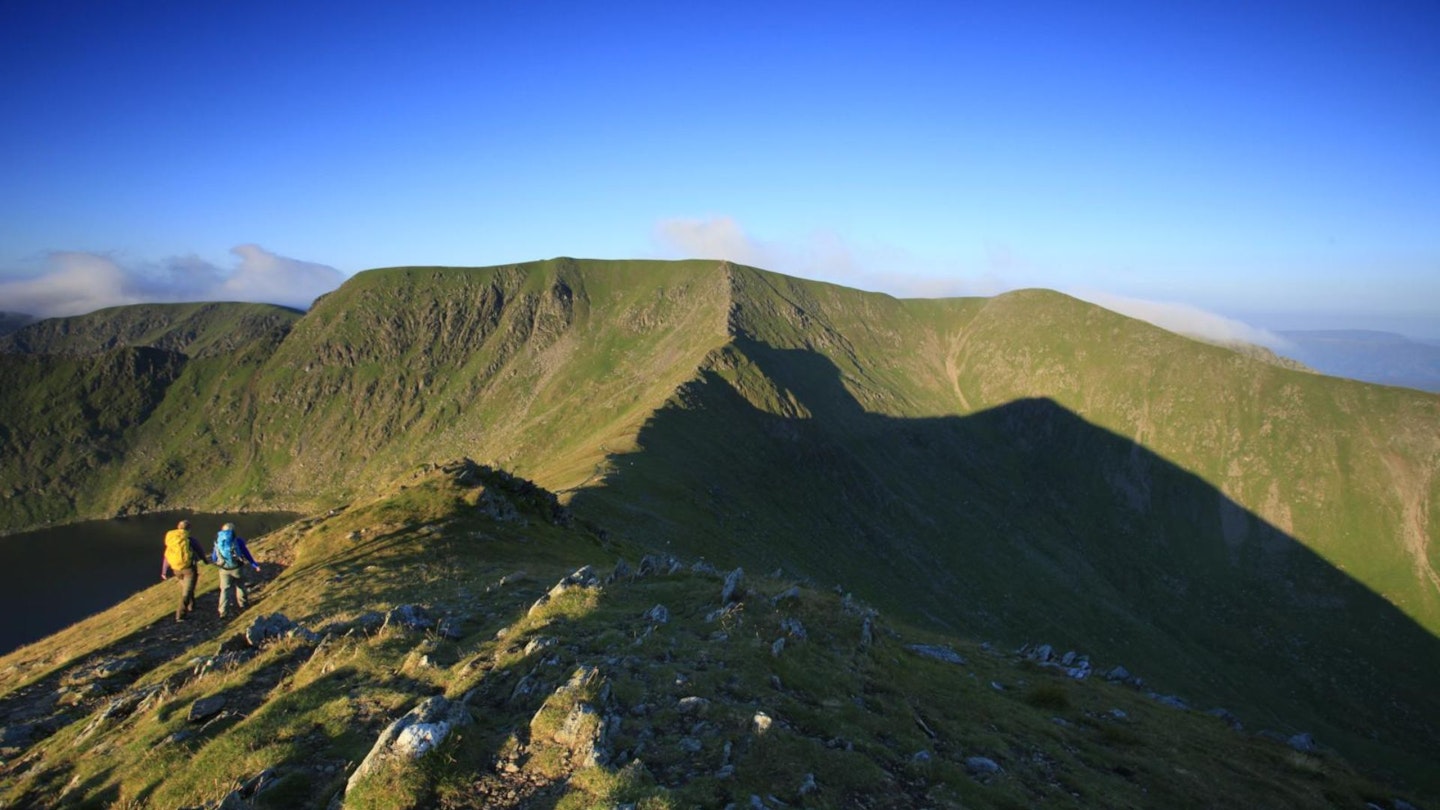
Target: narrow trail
x: 32, y: 713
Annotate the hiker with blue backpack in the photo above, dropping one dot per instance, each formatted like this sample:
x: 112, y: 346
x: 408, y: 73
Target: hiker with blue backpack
x: 230, y: 556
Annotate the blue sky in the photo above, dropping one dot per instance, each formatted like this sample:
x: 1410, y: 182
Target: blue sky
x: 1276, y: 163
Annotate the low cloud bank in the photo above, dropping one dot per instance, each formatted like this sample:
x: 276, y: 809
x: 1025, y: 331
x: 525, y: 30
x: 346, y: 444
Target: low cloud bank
x: 823, y: 255
x: 73, y: 283
x: 1188, y: 320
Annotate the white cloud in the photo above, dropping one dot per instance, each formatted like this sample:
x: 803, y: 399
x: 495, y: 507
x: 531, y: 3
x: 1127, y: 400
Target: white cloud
x: 72, y: 283
x: 1187, y: 320
x: 823, y: 255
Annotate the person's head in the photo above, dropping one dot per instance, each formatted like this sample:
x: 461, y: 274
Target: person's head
x: 229, y: 527
x: 184, y: 524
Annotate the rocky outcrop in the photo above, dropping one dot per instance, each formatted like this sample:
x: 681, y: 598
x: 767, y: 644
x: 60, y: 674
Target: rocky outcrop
x: 419, y: 731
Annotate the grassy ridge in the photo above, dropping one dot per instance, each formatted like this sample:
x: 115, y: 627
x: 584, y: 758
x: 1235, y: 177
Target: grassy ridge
x: 1027, y: 467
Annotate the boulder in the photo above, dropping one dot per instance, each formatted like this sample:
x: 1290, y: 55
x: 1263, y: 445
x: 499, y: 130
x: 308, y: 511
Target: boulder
x: 263, y: 628
x: 1118, y: 673
x: 412, y: 736
x: 658, y: 615
x: 1303, y: 743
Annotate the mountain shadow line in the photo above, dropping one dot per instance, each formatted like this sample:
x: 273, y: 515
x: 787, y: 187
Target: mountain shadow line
x: 1027, y: 523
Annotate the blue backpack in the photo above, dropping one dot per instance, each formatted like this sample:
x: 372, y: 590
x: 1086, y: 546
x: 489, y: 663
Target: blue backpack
x: 225, y: 551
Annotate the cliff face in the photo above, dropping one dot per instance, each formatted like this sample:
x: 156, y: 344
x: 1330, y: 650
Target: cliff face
x: 1017, y: 468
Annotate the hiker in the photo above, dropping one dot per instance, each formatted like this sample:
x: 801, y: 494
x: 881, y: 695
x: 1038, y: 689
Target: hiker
x: 230, y: 556
x: 182, y: 557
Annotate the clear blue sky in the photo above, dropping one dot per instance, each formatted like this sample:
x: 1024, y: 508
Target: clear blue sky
x: 1277, y: 162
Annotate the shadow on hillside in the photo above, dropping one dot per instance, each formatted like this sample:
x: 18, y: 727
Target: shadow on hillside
x: 1027, y: 523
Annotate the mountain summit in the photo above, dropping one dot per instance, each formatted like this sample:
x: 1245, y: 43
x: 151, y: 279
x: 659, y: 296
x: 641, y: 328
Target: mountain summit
x: 1024, y: 468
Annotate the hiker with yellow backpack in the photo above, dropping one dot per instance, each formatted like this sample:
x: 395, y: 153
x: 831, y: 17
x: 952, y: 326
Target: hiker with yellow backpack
x: 182, y: 557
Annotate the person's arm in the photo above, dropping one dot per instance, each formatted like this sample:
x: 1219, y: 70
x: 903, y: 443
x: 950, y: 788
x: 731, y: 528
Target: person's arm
x: 198, y: 552
x: 164, y: 567
x: 245, y: 553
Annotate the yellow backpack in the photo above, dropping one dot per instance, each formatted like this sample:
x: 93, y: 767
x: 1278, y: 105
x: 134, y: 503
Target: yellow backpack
x: 177, y: 549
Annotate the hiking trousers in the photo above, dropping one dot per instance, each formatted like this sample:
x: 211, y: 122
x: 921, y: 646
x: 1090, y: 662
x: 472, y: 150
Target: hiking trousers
x: 187, y: 577
x: 232, y: 578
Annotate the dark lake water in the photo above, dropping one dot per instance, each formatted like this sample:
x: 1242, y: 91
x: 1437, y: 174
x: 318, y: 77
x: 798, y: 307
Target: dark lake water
x: 52, y: 578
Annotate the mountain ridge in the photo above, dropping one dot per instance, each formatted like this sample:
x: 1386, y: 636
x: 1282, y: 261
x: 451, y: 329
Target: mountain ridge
x: 999, y: 467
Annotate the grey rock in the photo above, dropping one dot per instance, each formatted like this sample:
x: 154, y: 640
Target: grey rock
x: 691, y: 745
x: 1118, y: 714
x: 793, y: 628
x: 1119, y: 673
x: 263, y: 628
x: 981, y: 765
x: 206, y: 708
x: 407, y: 617
x: 938, y: 653
x: 734, y: 586
x: 1400, y: 804
x: 1067, y: 659
x: 1043, y: 653
x: 1303, y: 743
x: 778, y: 647
x: 725, y: 772
x: 790, y: 594
x: 15, y: 736
x: 693, y: 705
x: 419, y: 731
x: 451, y: 627
x: 1171, y: 701
x: 921, y: 757
x: 583, y: 577
x: 622, y: 571
x: 649, y: 564
x: 867, y: 633
x: 704, y: 569
x: 807, y: 785
x: 539, y: 644
x: 997, y: 686
x: 658, y: 615
x: 1228, y: 717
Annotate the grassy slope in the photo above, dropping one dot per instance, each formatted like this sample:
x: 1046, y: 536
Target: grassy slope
x: 852, y: 717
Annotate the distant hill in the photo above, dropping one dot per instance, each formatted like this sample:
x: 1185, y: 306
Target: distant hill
x: 1019, y: 468
x: 1378, y: 357
x: 10, y: 321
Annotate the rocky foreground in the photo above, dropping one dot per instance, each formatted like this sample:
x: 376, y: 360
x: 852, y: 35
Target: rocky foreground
x: 462, y: 643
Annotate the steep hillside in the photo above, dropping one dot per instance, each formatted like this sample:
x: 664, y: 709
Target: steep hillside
x: 1027, y: 467
x: 460, y: 644
x: 10, y: 321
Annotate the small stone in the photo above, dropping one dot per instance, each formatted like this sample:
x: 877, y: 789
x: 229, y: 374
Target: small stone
x: 997, y: 686
x: 1303, y: 743
x: 938, y: 653
x: 658, y: 615
x: 206, y: 708
x: 981, y: 765
x: 734, y: 586
x: 725, y: 772
x: 1119, y: 673
x: 790, y: 594
x: 793, y: 628
x: 691, y: 745
x: 778, y: 647
x: 693, y: 705
x: 807, y: 785
x: 1118, y: 714
x: 921, y: 757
